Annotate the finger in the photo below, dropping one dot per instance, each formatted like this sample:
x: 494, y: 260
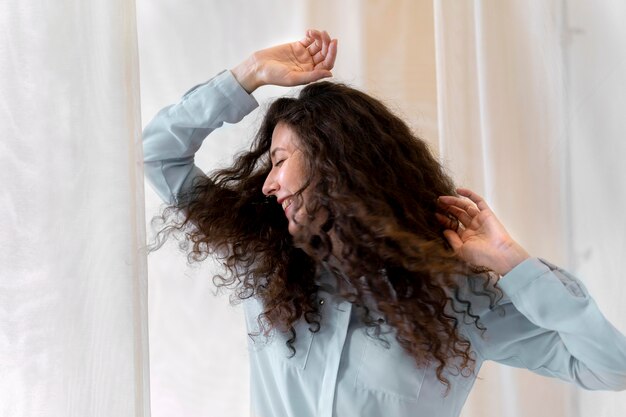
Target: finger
x: 447, y: 222
x: 480, y: 202
x: 325, y: 42
x: 472, y: 210
x: 318, y: 57
x: 461, y: 202
x: 316, y: 45
x: 460, y: 214
x: 453, y: 239
x: 312, y: 33
x: 329, y: 60
x: 308, y: 39
x: 305, y: 77
x: 326, y: 60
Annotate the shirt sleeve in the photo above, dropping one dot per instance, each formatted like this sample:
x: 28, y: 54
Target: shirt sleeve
x: 548, y: 323
x: 172, y: 138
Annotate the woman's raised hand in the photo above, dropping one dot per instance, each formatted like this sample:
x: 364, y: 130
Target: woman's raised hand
x: 289, y: 64
x: 479, y: 238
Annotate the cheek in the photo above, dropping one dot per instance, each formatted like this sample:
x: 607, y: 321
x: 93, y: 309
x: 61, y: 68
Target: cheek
x: 297, y: 171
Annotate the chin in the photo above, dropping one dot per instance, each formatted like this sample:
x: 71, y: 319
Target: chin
x: 293, y: 228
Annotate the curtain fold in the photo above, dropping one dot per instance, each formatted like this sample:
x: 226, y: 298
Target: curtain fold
x: 594, y: 42
x: 500, y: 107
x: 73, y: 282
x: 525, y: 89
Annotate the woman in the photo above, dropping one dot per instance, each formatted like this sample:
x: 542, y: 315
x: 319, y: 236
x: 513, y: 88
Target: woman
x: 371, y: 287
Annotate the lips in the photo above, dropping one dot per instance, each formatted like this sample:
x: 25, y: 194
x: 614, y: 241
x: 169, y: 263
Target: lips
x: 286, y: 203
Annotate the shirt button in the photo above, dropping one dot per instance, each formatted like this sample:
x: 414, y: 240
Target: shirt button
x: 322, y: 301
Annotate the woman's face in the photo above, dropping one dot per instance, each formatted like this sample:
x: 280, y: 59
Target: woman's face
x: 287, y: 176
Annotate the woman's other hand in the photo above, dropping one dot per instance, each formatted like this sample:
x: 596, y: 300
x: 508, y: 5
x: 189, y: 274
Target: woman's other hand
x: 289, y: 64
x: 478, y: 237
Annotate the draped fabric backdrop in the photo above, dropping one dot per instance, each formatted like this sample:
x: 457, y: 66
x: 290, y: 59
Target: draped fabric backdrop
x: 528, y: 99
x: 520, y: 99
x: 502, y: 133
x: 73, y: 282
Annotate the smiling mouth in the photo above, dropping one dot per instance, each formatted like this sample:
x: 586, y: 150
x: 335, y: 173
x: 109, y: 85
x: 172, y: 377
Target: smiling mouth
x: 287, y: 203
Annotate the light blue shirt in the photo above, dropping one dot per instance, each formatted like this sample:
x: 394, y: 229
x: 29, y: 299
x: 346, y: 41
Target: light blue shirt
x: 546, y: 321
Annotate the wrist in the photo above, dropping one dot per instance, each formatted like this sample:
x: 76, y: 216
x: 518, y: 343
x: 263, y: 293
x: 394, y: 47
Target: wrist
x: 511, y: 256
x: 246, y: 74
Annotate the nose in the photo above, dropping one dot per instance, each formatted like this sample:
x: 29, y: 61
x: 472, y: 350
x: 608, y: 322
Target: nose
x: 270, y: 186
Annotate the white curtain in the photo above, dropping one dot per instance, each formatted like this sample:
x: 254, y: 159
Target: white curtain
x: 529, y: 95
x: 594, y: 44
x: 73, y: 284
x: 501, y: 125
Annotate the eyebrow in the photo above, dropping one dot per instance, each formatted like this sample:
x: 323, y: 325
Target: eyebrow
x: 276, y: 150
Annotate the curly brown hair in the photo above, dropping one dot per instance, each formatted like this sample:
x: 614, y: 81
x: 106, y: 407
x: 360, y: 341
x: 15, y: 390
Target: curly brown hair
x: 378, y: 183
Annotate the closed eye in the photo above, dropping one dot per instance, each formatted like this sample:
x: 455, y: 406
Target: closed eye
x: 279, y: 163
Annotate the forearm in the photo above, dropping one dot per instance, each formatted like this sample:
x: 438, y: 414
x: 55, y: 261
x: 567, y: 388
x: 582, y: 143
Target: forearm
x: 594, y: 354
x: 175, y: 134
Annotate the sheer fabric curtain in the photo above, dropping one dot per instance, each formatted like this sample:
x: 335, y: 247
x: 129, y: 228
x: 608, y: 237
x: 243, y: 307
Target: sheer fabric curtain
x: 73, y: 325
x: 500, y: 98
x: 529, y: 98
x: 595, y: 56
